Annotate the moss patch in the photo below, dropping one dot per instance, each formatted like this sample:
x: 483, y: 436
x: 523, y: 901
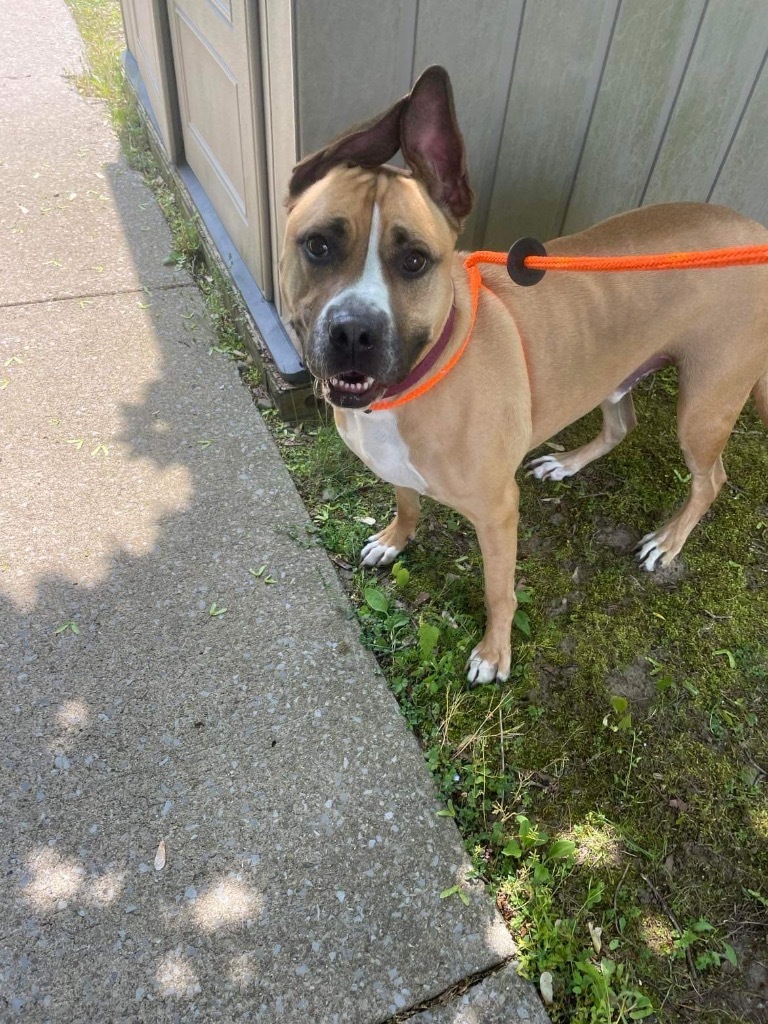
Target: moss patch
x: 633, y: 725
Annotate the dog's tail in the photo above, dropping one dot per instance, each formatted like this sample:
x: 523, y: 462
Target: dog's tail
x: 760, y: 395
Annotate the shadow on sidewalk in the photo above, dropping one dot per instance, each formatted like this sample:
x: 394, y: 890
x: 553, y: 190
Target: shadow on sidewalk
x: 154, y: 690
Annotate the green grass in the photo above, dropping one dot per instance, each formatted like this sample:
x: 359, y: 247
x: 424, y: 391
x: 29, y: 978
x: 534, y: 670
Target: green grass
x: 633, y: 724
x: 613, y: 793
x: 101, y: 27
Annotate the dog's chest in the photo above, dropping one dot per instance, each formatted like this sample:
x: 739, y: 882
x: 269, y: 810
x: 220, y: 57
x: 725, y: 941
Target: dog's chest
x: 375, y: 439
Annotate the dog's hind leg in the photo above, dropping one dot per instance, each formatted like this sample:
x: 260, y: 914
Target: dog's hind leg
x: 760, y: 395
x: 384, y: 547
x: 618, y: 420
x: 704, y: 424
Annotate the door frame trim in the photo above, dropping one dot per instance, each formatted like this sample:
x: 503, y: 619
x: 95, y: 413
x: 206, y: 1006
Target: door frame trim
x: 262, y: 311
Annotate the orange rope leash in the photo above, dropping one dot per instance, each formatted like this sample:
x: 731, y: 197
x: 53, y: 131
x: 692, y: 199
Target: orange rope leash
x: 740, y: 256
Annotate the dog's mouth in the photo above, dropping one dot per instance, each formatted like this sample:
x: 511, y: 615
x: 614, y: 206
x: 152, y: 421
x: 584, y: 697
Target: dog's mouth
x: 352, y: 390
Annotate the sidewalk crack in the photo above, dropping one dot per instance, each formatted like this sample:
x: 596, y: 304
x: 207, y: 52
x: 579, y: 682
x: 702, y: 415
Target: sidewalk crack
x: 144, y: 290
x: 448, y: 995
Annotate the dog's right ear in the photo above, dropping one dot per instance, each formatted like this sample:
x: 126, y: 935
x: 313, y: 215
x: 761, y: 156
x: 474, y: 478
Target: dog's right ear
x: 432, y: 144
x: 369, y: 145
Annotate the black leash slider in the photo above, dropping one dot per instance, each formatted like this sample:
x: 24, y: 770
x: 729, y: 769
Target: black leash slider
x: 516, y: 268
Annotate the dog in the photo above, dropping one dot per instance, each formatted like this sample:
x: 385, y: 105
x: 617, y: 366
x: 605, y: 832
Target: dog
x: 374, y: 288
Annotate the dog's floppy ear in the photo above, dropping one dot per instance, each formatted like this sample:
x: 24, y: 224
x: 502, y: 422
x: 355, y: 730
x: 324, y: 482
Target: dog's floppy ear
x: 432, y: 144
x: 369, y: 145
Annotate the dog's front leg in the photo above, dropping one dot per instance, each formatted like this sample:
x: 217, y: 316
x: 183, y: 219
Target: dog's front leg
x: 497, y: 534
x: 384, y: 547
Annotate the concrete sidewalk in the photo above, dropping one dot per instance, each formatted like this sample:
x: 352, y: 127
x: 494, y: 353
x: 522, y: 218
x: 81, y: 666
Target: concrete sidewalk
x: 303, y: 859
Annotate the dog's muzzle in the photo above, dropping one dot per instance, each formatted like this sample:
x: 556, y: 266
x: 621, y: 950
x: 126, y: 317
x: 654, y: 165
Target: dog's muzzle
x: 352, y: 348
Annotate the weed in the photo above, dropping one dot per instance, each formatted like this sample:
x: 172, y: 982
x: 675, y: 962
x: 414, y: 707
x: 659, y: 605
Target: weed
x: 262, y: 574
x: 101, y: 27
x: 68, y: 627
x: 588, y: 985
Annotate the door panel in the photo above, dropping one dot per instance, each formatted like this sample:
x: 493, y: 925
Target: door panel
x: 216, y: 53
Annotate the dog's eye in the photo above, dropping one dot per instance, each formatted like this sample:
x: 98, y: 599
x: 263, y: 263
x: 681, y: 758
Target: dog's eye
x: 317, y: 247
x: 414, y: 263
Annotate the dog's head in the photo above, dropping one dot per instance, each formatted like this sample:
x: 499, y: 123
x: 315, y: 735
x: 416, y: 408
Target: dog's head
x: 366, y: 263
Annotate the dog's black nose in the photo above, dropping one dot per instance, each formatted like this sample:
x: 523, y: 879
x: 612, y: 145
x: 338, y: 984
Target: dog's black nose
x: 351, y: 332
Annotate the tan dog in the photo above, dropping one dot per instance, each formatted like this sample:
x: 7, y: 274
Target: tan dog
x: 372, y: 282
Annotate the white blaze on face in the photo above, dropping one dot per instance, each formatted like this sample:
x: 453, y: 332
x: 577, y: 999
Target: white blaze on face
x: 370, y: 289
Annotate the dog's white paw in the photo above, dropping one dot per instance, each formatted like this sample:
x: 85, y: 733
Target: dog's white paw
x: 547, y: 467
x: 652, y: 552
x: 377, y: 553
x: 481, y: 671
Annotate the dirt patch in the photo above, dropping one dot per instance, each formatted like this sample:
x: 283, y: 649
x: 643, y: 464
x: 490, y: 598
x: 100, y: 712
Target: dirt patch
x: 617, y: 538
x: 536, y: 544
x: 624, y: 542
x: 634, y: 682
x: 744, y: 992
x: 668, y: 576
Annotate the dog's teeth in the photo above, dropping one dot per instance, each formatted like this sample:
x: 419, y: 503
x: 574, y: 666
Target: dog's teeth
x: 351, y: 386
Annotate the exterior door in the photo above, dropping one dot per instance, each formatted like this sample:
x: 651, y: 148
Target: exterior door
x: 217, y: 63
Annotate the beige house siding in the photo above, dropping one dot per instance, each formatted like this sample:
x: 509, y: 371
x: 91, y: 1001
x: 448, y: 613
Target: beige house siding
x: 572, y: 111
